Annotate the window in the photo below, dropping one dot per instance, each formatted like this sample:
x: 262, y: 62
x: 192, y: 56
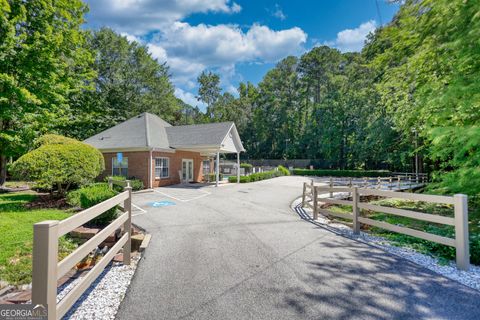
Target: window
x: 120, y: 169
x: 161, y: 167
x: 206, y: 166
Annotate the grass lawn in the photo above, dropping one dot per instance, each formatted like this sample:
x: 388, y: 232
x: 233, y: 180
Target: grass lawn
x: 440, y: 251
x: 16, y: 235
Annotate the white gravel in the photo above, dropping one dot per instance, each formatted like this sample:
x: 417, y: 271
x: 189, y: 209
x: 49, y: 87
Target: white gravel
x: 469, y: 278
x: 103, y: 298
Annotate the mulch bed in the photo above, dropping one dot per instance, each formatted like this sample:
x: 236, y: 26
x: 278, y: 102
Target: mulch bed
x: 46, y: 201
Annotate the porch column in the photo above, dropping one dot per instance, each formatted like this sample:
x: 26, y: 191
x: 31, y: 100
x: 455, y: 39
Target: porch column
x: 217, y: 170
x: 238, y: 167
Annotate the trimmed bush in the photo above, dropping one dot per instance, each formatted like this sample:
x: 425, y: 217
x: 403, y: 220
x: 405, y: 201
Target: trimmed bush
x: 247, y: 166
x: 341, y: 173
x: 213, y: 176
x: 259, y: 176
x: 136, y: 184
x: 284, y: 170
x: 94, y: 194
x: 59, y: 163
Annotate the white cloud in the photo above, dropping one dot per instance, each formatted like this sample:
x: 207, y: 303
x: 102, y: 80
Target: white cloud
x: 226, y: 44
x: 191, y: 49
x: 350, y: 40
x: 278, y: 13
x: 189, y: 98
x: 141, y: 16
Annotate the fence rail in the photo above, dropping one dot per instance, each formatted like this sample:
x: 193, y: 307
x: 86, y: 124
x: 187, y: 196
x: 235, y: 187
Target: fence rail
x: 400, y: 181
x: 46, y: 270
x: 311, y: 198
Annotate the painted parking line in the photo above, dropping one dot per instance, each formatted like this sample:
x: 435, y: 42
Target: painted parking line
x: 184, y: 195
x: 137, y: 207
x: 167, y: 195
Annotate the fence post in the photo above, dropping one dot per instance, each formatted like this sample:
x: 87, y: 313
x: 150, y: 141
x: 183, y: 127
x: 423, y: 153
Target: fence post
x: 399, y: 182
x: 315, y: 203
x: 44, y: 266
x: 110, y: 183
x: 390, y: 183
x: 356, y: 225
x: 366, y: 182
x: 303, y: 194
x: 127, y: 226
x: 379, y: 182
x: 350, y: 186
x: 461, y: 231
x: 331, y: 187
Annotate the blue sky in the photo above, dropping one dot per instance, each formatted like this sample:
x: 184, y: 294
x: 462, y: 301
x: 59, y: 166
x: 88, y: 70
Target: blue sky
x: 240, y: 40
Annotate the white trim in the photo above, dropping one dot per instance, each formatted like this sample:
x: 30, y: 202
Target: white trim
x: 135, y: 149
x: 160, y: 167
x: 115, y: 157
x: 237, y: 137
x: 193, y: 169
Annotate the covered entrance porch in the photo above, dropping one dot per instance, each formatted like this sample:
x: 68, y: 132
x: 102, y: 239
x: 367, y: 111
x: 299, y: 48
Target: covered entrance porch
x: 230, y: 143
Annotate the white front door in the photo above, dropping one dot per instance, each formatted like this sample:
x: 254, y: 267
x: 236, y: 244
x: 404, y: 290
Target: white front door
x: 187, y: 170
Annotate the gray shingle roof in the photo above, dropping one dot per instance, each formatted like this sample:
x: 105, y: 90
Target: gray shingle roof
x: 143, y: 131
x: 210, y: 134
x: 149, y: 131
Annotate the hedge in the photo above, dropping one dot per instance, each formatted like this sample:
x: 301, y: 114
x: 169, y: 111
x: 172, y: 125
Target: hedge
x: 59, y: 163
x: 135, y: 183
x: 94, y: 194
x: 341, y: 173
x: 260, y: 175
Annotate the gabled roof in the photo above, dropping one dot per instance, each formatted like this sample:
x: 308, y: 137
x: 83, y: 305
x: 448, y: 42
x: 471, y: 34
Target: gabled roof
x: 141, y: 132
x: 209, y: 134
x: 147, y: 132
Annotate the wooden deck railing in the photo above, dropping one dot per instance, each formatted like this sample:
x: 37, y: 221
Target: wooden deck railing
x: 46, y: 268
x: 311, y: 198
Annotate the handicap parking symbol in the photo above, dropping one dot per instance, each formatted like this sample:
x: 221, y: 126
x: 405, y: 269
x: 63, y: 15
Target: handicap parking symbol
x: 164, y: 203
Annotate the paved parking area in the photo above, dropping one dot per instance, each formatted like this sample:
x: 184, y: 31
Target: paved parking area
x: 242, y: 253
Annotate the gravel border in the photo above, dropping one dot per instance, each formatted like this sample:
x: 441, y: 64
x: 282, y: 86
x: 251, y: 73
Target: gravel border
x: 469, y: 278
x: 102, y: 299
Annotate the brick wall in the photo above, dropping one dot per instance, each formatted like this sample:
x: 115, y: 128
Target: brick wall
x: 176, y: 165
x: 138, y: 166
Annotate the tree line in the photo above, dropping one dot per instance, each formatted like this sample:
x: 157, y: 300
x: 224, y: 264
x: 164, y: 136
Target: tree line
x: 412, y: 94
x: 412, y: 91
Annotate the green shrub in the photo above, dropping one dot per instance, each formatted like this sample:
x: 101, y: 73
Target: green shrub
x: 94, y: 194
x: 246, y: 165
x: 135, y: 183
x: 260, y: 176
x: 73, y: 198
x: 59, y: 163
x: 212, y: 177
x: 341, y: 173
x: 284, y: 170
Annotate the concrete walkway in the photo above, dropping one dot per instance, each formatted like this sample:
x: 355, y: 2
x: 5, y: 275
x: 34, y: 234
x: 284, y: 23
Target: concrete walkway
x: 242, y: 253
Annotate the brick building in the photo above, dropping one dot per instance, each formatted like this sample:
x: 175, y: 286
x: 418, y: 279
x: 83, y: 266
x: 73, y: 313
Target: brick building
x: 148, y: 148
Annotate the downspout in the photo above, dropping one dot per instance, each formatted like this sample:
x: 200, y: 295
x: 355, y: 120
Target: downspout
x: 150, y: 169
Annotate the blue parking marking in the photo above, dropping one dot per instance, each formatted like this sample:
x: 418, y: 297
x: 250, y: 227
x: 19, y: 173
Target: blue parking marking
x: 164, y: 203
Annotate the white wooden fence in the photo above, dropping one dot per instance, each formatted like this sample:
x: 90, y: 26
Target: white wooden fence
x: 46, y: 268
x: 311, y: 198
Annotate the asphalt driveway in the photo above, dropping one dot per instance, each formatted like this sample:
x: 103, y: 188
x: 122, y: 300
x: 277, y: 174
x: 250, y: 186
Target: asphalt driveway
x: 240, y: 252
